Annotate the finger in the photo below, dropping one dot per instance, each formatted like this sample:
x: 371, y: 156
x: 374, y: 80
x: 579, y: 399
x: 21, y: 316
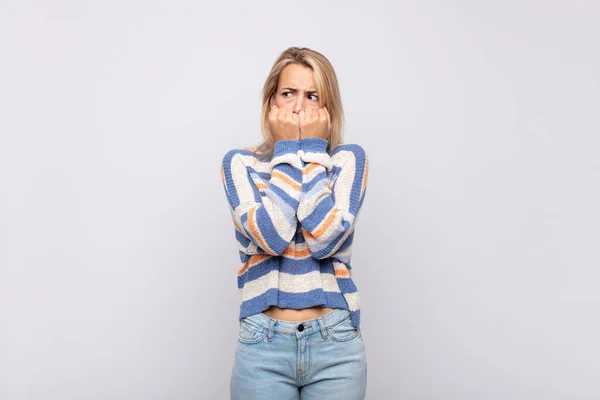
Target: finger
x: 278, y: 112
x: 322, y: 115
x: 328, y: 119
x: 324, y: 120
x: 291, y: 115
x: 328, y: 116
x: 285, y: 114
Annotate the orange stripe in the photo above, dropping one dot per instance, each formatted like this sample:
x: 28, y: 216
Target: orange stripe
x: 312, y: 166
x: 287, y: 179
x: 364, y: 182
x: 254, y: 229
x: 307, y: 234
x: 293, y: 253
x: 326, y: 224
x: 253, y: 260
x: 342, y: 272
x: 243, y: 269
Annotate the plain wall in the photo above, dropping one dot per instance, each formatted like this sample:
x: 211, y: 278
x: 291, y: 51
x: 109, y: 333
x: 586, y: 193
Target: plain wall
x: 476, y: 253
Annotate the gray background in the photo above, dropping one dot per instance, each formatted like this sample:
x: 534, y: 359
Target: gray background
x: 476, y: 255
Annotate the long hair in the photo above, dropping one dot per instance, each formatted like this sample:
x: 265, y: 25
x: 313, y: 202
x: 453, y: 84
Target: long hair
x: 327, y: 87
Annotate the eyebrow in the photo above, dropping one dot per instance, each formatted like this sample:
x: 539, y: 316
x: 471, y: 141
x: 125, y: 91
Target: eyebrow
x: 295, y: 90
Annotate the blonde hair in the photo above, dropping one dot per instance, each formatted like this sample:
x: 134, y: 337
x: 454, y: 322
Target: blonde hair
x: 327, y: 87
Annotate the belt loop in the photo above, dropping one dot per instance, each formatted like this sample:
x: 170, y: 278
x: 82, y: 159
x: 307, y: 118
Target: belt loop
x: 270, y: 335
x: 322, y: 327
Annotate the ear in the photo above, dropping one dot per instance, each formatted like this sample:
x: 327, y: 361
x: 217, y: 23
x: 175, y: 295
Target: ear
x: 272, y: 100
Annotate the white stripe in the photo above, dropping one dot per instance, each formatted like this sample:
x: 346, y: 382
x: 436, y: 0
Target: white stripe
x: 353, y: 301
x: 321, y: 158
x: 310, y: 175
x: 290, y: 158
x: 290, y: 283
x: 345, y: 255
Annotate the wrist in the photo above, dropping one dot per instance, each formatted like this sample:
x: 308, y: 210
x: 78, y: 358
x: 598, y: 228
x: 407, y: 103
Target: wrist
x: 286, y: 146
x: 313, y: 145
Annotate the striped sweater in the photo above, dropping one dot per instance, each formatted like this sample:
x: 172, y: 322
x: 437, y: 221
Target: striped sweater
x: 294, y: 217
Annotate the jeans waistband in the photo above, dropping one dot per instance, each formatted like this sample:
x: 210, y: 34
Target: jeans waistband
x: 313, y: 325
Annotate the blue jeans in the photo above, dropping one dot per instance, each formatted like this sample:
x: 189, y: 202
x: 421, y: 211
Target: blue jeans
x: 321, y: 358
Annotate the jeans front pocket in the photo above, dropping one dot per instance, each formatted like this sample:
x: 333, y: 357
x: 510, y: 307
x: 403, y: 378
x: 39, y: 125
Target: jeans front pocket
x: 251, y: 332
x: 343, y: 331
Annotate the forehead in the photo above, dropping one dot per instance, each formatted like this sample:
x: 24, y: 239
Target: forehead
x: 297, y: 76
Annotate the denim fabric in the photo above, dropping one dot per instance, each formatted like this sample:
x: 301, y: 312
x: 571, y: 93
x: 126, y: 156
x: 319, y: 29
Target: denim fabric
x: 325, y: 359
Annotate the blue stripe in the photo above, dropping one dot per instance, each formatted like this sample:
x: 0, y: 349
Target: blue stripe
x: 291, y: 171
x: 266, y: 229
x: 320, y: 177
x: 256, y: 271
x: 243, y: 240
x: 317, y: 215
x: 263, y: 175
x: 283, y: 195
x: 348, y: 241
x: 229, y: 185
x: 346, y: 285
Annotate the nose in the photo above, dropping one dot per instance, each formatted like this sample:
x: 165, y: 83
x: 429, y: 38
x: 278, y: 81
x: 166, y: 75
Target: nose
x: 299, y: 105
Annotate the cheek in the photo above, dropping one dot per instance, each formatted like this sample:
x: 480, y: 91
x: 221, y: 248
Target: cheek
x: 282, y: 99
x: 284, y: 102
x: 313, y: 104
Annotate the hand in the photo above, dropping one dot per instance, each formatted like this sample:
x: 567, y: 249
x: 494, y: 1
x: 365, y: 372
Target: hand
x: 283, y: 124
x: 315, y: 123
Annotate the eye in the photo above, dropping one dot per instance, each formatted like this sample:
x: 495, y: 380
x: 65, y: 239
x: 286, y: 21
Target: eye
x: 284, y: 94
x: 315, y: 96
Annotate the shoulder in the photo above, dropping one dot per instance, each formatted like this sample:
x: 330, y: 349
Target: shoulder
x: 241, y: 152
x: 243, y: 158
x: 346, y: 151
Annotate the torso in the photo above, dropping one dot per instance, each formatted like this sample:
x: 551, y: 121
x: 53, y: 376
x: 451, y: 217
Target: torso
x: 293, y: 315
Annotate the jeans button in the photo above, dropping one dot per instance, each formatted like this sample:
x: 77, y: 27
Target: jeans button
x: 300, y: 327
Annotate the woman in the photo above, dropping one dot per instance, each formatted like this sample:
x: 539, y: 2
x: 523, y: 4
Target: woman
x: 295, y: 200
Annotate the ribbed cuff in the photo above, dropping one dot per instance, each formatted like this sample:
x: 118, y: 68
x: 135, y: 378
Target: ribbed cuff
x: 313, y: 145
x: 286, y: 146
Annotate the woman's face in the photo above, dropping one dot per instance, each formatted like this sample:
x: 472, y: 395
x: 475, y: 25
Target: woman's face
x: 296, y: 89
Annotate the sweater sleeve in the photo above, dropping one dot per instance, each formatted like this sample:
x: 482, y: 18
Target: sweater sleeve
x: 264, y: 221
x: 328, y: 212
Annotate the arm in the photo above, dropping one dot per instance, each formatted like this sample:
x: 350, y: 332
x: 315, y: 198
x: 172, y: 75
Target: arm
x: 264, y: 222
x: 328, y: 214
